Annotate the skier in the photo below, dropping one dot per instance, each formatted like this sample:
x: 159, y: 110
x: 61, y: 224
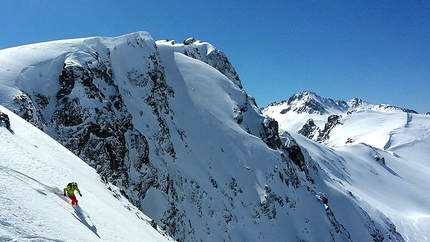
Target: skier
x: 70, y: 189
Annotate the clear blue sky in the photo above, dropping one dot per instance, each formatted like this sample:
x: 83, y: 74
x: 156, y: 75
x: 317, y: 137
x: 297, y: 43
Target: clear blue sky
x: 377, y: 50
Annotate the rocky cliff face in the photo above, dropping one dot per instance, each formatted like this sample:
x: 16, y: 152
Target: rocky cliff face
x: 88, y: 114
x: 172, y: 127
x: 313, y: 132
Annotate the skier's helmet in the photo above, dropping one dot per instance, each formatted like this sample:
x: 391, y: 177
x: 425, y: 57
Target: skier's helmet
x: 72, y: 185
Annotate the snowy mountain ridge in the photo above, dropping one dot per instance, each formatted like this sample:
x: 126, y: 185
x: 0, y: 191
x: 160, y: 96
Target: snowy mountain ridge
x: 170, y: 125
x: 310, y: 102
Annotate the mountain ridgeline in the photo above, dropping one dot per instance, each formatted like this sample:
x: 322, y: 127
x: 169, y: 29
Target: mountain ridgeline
x: 311, y: 103
x: 171, y: 125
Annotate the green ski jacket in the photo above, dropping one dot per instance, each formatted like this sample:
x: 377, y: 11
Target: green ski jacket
x: 70, y: 191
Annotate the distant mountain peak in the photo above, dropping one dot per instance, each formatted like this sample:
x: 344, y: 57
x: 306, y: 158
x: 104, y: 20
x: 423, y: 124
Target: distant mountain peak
x: 311, y: 103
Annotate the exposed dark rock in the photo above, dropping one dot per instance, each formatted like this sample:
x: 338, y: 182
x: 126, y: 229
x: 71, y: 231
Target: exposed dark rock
x: 189, y: 41
x: 5, y: 118
x: 271, y: 135
x: 332, y: 121
x: 42, y: 101
x: 25, y: 106
x: 309, y: 129
x: 294, y: 152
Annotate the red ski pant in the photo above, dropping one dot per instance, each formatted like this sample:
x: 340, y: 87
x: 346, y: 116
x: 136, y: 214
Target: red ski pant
x: 74, y: 200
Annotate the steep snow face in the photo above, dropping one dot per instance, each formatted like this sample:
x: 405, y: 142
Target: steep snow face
x: 171, y: 126
x: 207, y: 53
x: 378, y: 154
x: 34, y: 169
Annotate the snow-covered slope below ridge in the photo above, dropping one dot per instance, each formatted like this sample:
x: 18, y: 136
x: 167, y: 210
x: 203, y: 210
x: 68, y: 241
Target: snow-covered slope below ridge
x: 171, y: 126
x: 34, y: 169
x: 378, y: 152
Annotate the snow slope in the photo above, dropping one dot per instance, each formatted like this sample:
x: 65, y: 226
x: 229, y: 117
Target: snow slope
x: 396, y: 186
x: 34, y: 169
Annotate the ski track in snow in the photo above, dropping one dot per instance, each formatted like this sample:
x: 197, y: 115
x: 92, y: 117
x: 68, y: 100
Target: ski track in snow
x: 55, y: 194
x: 33, y: 169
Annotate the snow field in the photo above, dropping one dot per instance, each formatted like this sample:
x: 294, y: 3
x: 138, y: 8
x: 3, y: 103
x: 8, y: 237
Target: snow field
x: 34, y: 169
